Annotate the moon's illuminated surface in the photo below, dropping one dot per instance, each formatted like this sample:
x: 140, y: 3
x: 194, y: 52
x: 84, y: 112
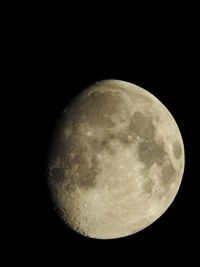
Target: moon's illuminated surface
x: 117, y: 160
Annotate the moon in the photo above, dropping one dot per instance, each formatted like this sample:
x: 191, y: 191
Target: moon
x: 116, y: 160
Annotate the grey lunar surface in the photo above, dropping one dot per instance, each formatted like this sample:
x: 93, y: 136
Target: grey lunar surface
x: 116, y: 161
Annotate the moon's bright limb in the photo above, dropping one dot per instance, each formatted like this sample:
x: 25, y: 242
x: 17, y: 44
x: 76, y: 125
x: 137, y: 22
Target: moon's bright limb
x: 117, y: 160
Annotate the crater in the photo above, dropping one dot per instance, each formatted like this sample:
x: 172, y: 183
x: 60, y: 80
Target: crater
x: 142, y: 125
x: 86, y: 170
x: 177, y: 150
x: 124, y: 138
x: 151, y: 152
x: 148, y: 186
x: 95, y: 144
x: 103, y: 143
x: 99, y: 145
x: 57, y: 175
x: 168, y: 174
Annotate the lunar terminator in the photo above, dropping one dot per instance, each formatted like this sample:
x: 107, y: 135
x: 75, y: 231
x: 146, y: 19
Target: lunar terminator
x: 116, y: 161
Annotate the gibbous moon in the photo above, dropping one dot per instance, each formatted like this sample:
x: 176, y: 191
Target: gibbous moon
x: 116, y: 160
